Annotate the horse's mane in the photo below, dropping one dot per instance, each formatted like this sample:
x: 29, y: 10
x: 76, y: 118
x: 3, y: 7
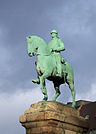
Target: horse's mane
x: 37, y: 39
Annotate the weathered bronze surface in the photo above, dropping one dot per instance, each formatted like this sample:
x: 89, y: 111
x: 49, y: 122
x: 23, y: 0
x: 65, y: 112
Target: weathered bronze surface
x: 50, y: 64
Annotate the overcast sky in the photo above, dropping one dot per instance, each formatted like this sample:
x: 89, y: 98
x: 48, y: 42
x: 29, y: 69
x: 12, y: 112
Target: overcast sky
x: 75, y: 21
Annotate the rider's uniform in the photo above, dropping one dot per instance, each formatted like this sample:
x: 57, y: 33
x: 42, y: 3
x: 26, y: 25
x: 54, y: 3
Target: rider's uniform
x: 56, y: 45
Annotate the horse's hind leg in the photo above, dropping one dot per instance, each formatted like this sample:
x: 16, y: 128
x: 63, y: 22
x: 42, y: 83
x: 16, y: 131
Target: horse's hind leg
x: 56, y: 86
x: 71, y: 86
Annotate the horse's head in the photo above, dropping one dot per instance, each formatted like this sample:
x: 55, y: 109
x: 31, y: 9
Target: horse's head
x: 31, y: 46
x: 35, y: 44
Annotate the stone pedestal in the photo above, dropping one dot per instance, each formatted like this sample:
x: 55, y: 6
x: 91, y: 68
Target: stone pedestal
x: 53, y: 118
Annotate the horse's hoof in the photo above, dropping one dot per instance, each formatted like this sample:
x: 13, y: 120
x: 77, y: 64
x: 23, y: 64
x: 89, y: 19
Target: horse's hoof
x: 45, y: 98
x: 36, y: 81
x: 73, y: 105
x: 53, y: 99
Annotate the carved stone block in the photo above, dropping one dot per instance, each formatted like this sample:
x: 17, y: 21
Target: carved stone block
x: 53, y: 118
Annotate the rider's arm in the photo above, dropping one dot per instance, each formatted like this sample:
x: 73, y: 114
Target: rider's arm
x: 61, y: 46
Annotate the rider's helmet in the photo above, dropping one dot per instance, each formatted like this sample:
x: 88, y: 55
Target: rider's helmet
x: 54, y: 31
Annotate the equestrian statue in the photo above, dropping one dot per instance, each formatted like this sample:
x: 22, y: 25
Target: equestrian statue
x: 51, y: 64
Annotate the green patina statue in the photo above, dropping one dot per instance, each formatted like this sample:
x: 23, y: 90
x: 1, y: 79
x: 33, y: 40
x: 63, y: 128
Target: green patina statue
x: 55, y: 46
x: 50, y: 64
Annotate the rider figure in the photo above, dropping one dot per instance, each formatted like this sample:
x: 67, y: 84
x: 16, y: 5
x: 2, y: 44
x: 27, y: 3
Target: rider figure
x: 56, y: 45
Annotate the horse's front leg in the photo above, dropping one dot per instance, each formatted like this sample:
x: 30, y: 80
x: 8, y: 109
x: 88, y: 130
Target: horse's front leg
x: 37, y: 80
x: 43, y: 87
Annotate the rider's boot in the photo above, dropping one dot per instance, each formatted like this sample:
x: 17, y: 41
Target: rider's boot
x: 59, y: 74
x: 36, y: 81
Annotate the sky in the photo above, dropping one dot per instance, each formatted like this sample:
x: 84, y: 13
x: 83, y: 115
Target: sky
x: 75, y: 22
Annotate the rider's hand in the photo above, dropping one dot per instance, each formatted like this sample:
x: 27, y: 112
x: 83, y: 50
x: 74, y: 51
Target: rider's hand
x: 53, y: 50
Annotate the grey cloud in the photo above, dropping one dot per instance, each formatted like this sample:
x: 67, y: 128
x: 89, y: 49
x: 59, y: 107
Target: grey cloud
x: 21, y: 19
x: 76, y: 24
